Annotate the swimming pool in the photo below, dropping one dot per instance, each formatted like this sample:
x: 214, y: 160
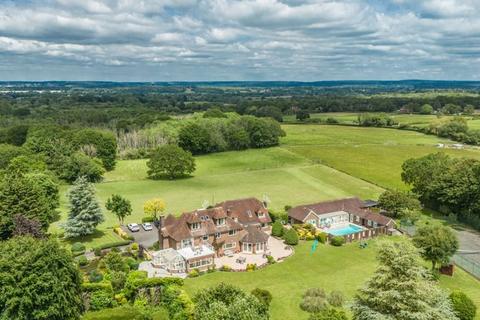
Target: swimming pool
x: 351, y: 228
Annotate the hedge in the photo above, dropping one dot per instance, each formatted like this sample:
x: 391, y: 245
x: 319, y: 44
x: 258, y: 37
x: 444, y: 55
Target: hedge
x: 112, y: 245
x: 97, y: 286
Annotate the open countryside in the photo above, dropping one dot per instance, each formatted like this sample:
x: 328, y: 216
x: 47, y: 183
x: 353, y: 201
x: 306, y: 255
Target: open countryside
x: 312, y: 163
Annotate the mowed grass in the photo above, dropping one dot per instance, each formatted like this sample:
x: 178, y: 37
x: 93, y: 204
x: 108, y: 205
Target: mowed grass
x: 372, y: 154
x: 286, y: 178
x: 331, y: 268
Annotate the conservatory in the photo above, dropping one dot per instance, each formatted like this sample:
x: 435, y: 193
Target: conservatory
x: 170, y: 260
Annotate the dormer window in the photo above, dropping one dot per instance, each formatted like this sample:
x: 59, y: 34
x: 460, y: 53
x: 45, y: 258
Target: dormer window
x: 249, y: 212
x: 217, y: 235
x: 220, y: 221
x: 232, y: 232
x: 260, y: 215
x: 195, y: 226
x: 206, y: 218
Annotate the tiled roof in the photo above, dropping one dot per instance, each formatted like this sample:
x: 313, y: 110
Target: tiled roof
x: 246, y: 211
x: 179, y: 229
x: 254, y: 235
x: 350, y: 205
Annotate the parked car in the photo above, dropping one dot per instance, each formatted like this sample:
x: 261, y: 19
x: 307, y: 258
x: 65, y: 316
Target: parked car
x: 133, y: 227
x: 147, y: 226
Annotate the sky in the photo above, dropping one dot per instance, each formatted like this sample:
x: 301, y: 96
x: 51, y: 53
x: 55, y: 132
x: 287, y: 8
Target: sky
x: 214, y: 40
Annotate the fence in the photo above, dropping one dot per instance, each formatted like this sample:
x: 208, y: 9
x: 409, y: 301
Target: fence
x: 460, y: 260
x: 468, y: 265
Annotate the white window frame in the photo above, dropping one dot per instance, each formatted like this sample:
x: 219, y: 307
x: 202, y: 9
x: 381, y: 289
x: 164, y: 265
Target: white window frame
x: 229, y: 245
x: 217, y: 235
x: 185, y: 243
x: 232, y: 232
x: 195, y: 225
x: 205, y: 236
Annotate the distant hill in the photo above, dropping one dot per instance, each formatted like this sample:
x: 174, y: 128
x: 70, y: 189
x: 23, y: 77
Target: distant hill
x: 348, y: 84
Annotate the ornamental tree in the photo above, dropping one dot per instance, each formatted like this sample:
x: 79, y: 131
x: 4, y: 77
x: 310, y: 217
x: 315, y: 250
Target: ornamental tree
x: 170, y: 161
x: 85, y: 212
x: 120, y: 206
x: 39, y: 280
x: 154, y: 207
x: 437, y: 243
x: 401, y: 288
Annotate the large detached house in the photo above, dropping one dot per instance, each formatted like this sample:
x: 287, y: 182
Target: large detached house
x: 229, y: 227
x: 349, y: 217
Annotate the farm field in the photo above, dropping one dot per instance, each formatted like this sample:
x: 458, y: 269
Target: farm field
x: 332, y: 268
x: 417, y: 120
x: 373, y: 154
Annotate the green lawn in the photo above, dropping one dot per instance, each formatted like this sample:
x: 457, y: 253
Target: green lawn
x: 332, y: 268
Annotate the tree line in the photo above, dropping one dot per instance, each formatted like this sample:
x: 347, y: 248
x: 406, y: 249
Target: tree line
x: 449, y: 185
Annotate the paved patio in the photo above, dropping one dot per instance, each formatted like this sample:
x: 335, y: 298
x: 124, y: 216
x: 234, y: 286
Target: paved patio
x: 158, y: 272
x: 276, y: 248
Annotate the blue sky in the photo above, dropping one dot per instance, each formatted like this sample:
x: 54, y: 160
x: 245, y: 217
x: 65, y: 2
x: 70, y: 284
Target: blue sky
x: 195, y: 40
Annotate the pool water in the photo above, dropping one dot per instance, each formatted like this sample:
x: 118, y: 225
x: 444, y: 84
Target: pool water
x: 345, y: 230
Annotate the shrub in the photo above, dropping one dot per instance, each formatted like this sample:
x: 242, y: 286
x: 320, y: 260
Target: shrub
x: 336, y: 299
x: 315, y: 292
x: 100, y: 300
x: 78, y: 247
x: 313, y: 304
x: 95, y: 276
x: 251, y: 267
x: 329, y: 314
x: 225, y: 268
x: 134, y: 246
x: 264, y: 296
x: 309, y: 227
x: 82, y: 261
x: 117, y: 279
x: 148, y: 219
x: 193, y: 273
x: 337, y: 241
x: 291, y: 238
x: 132, y: 263
x: 121, y: 299
x: 97, y: 252
x: 463, y: 306
x: 211, y: 270
x: 277, y: 229
x: 309, y: 236
x: 322, y: 237
x: 270, y: 259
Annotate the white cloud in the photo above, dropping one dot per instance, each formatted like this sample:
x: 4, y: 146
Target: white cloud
x: 244, y: 39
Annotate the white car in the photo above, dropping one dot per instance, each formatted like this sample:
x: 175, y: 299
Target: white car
x: 147, y: 226
x: 133, y: 227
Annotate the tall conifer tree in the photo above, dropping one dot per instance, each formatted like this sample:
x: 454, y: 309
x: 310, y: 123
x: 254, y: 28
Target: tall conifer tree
x: 85, y: 212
